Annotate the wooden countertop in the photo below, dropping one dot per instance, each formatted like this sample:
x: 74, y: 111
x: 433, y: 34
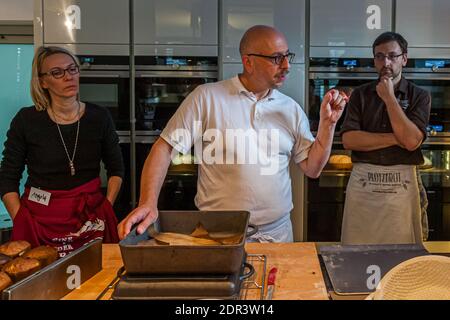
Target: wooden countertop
x: 299, y: 276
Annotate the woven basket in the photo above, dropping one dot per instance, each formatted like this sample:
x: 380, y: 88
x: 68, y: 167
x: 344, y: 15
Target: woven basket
x: 420, y: 278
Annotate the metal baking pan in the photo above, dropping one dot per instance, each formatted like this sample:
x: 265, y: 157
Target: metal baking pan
x: 178, y: 287
x: 220, y: 259
x: 60, y: 277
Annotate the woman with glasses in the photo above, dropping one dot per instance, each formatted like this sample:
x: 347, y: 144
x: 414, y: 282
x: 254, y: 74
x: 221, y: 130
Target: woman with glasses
x: 62, y: 141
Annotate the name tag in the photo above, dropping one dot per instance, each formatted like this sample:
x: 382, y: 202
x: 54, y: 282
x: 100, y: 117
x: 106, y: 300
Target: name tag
x: 39, y: 196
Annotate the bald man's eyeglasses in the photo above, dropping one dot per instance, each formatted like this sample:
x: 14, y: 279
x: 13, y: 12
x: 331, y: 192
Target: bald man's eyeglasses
x: 277, y: 59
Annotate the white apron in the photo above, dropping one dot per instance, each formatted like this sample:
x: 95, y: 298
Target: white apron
x: 382, y: 206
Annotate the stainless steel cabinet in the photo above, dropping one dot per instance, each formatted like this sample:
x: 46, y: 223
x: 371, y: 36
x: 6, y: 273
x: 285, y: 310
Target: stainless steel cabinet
x: 348, y: 23
x: 86, y: 21
x: 237, y: 16
x: 293, y: 87
x: 176, y: 22
x: 424, y: 23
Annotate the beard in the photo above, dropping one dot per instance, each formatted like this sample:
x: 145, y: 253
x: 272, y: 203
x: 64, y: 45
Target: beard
x: 388, y: 72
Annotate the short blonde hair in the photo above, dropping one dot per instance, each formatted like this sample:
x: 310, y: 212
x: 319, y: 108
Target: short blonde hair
x: 40, y: 96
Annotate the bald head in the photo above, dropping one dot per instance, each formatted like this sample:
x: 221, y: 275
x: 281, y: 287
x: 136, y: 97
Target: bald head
x: 257, y: 38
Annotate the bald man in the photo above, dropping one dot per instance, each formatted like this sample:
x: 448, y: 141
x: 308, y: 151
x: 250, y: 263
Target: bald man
x: 244, y: 133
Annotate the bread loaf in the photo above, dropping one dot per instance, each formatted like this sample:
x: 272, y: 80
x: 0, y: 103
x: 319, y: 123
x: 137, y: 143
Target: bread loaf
x: 4, y: 259
x: 20, y: 268
x: 45, y: 255
x: 5, y: 281
x: 340, y: 161
x: 15, y: 248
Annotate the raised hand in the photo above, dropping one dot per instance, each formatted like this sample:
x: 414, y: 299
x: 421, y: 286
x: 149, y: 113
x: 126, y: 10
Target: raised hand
x: 333, y: 105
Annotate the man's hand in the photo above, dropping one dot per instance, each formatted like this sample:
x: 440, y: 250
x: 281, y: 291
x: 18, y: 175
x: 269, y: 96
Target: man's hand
x: 143, y: 214
x: 333, y: 105
x: 385, y: 88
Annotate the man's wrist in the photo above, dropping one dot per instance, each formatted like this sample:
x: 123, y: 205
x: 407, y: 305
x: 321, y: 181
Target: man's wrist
x: 390, y: 101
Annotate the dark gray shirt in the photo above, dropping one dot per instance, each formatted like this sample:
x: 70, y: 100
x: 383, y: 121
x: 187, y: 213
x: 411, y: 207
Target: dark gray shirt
x: 366, y: 111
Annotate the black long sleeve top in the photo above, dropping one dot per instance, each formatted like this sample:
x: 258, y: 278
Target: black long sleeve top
x: 33, y: 140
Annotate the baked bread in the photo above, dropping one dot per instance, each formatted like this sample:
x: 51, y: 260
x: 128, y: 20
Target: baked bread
x: 45, y: 255
x: 4, y: 259
x: 20, y: 268
x: 15, y: 248
x: 5, y: 281
x: 340, y: 158
x: 340, y: 161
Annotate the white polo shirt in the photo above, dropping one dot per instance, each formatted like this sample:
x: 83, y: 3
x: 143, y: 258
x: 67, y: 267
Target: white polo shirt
x: 243, y: 147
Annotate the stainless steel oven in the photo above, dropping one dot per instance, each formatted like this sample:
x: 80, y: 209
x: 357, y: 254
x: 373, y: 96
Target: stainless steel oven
x: 326, y: 195
x: 434, y: 76
x: 162, y: 83
x: 105, y: 80
x: 180, y: 185
x: 328, y: 73
x: 347, y: 73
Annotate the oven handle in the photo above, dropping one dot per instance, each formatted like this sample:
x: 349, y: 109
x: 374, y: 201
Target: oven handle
x: 374, y: 76
x: 426, y: 76
x: 343, y: 76
x: 176, y: 74
x: 93, y: 75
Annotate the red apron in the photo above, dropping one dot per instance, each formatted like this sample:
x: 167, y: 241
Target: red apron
x: 72, y: 218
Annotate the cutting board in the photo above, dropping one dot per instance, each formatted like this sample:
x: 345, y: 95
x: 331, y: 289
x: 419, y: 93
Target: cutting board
x: 356, y: 269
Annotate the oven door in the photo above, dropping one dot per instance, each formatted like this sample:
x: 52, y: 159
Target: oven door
x: 326, y: 199
x: 180, y: 185
x: 160, y: 93
x: 435, y: 173
x: 110, y: 89
x: 321, y: 82
x: 438, y: 85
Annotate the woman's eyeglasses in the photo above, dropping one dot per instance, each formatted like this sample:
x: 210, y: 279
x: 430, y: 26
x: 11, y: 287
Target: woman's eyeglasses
x: 59, y: 73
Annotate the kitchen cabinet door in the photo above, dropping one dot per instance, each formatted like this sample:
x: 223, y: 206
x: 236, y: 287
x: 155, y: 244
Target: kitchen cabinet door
x: 348, y: 23
x: 237, y: 16
x: 86, y: 21
x: 176, y: 22
x: 294, y: 86
x: 424, y: 23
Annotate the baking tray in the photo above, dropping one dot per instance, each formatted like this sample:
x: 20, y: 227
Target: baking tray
x: 160, y: 287
x: 220, y: 259
x: 350, y: 267
x: 59, y: 278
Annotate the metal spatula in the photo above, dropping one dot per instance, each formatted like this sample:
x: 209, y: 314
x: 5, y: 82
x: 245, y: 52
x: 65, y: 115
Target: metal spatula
x: 154, y: 229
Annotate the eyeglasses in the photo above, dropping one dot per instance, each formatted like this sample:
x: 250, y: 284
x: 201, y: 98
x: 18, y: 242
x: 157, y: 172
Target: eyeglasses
x: 59, y: 73
x: 392, y: 57
x: 277, y: 59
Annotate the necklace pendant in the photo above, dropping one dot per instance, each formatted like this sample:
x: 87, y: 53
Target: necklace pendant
x: 72, y: 168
